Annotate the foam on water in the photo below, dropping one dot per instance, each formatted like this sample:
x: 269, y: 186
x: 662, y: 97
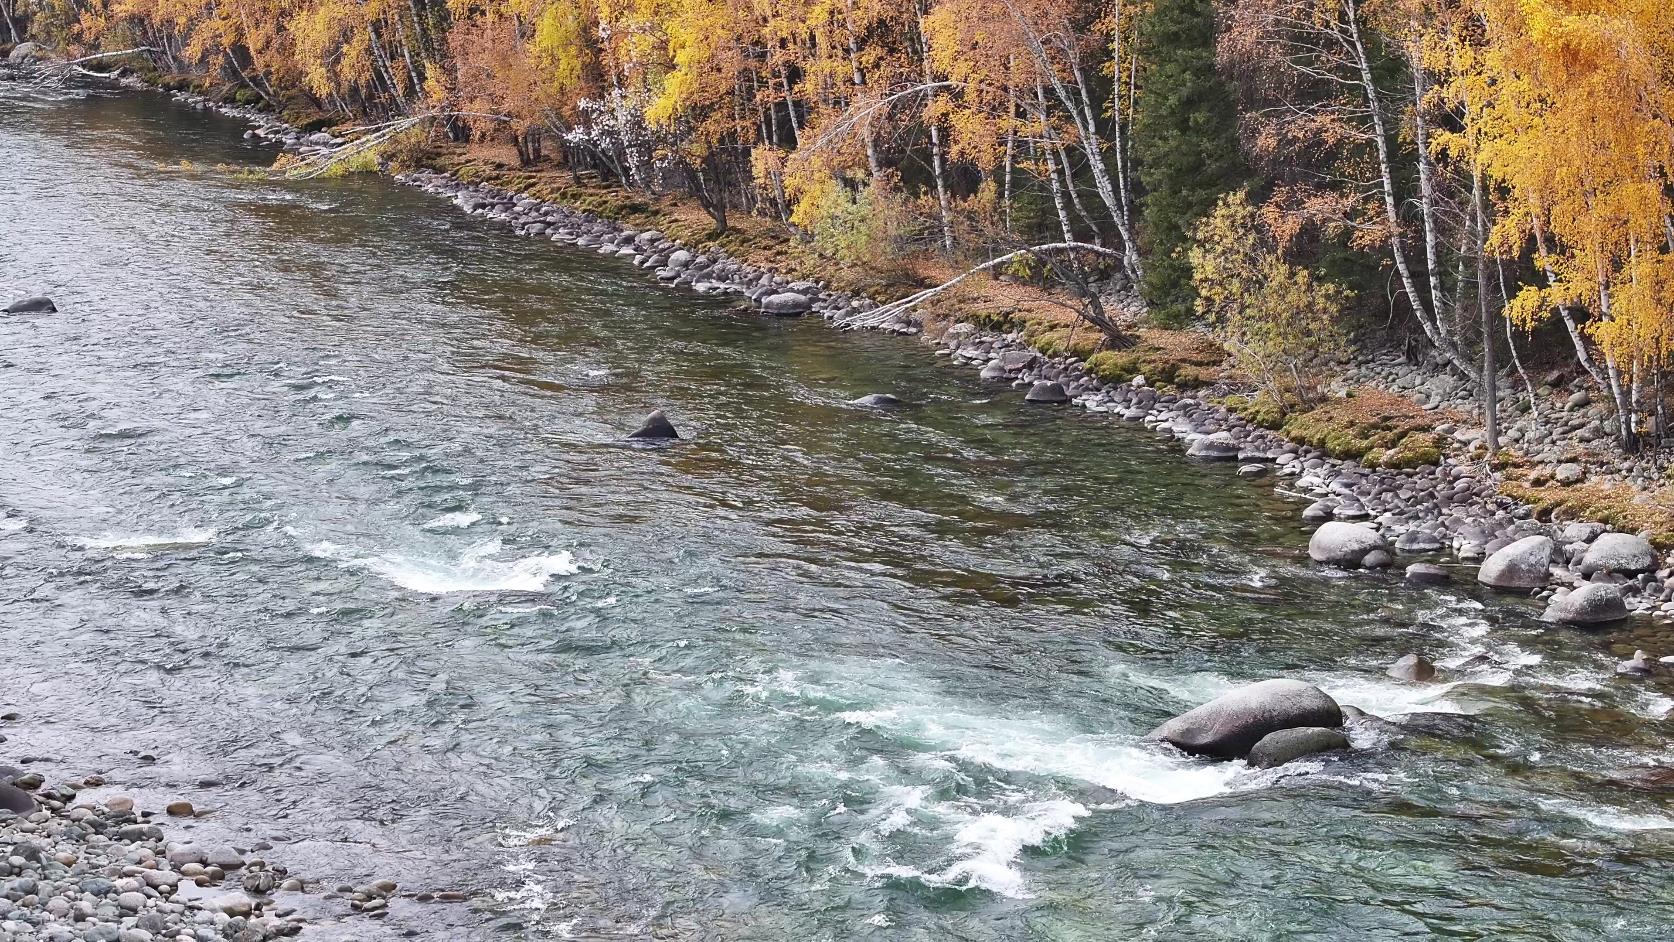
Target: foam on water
x: 475, y: 570
x: 1611, y: 819
x: 187, y: 538
x: 458, y: 520
x: 986, y: 847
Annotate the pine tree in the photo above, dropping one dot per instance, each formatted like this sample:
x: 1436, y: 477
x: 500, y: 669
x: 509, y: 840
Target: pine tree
x: 1186, y: 139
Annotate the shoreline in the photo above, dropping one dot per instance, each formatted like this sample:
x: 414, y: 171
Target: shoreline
x: 1452, y: 511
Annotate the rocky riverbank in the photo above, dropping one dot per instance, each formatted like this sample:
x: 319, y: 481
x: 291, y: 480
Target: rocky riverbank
x: 1451, y: 510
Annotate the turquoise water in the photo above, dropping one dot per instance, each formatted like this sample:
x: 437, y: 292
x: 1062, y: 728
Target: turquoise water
x: 318, y: 491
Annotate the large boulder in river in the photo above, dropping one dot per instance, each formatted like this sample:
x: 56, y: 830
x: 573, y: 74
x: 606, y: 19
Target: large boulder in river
x: 1220, y: 446
x: 1621, y: 553
x: 786, y: 304
x: 1275, y: 749
x: 1525, y: 564
x: 656, y: 427
x: 42, y: 305
x: 1228, y: 726
x: 15, y: 799
x: 1592, y: 603
x: 1336, y: 543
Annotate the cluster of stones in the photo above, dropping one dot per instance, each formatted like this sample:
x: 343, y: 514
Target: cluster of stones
x: 1564, y: 420
x: 101, y: 872
x: 265, y: 126
x: 1267, y: 724
x: 711, y: 273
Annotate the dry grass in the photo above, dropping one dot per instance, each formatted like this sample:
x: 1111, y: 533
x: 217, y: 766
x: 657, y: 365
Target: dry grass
x: 1622, y: 506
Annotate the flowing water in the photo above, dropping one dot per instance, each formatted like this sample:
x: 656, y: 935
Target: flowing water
x: 318, y: 491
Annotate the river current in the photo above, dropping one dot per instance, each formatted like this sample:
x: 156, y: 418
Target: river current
x: 315, y: 510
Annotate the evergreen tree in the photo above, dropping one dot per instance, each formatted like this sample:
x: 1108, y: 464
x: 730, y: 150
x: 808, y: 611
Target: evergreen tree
x: 1186, y: 138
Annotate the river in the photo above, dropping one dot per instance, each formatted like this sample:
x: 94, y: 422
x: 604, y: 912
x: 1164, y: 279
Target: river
x: 315, y: 510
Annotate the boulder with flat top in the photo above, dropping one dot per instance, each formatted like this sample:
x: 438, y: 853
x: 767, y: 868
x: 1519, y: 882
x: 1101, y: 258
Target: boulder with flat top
x: 1525, y: 564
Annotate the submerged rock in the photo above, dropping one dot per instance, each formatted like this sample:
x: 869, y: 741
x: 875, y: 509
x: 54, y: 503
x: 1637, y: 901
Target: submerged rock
x: 1228, y: 726
x: 876, y: 401
x: 1415, y: 667
x: 1621, y: 553
x: 1336, y: 543
x: 656, y: 427
x: 1047, y: 392
x: 1427, y: 574
x: 1524, y: 564
x: 1592, y: 603
x: 1275, y: 749
x: 40, y: 305
x: 1640, y: 665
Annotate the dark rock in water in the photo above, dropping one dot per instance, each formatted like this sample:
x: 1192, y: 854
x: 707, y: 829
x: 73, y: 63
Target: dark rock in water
x: 1525, y: 564
x: 15, y: 799
x: 1427, y: 574
x: 1229, y: 725
x: 1252, y: 471
x: 656, y: 427
x: 876, y: 401
x: 1048, y: 392
x: 1343, y: 544
x: 993, y: 371
x: 1377, y: 559
x: 1275, y: 749
x: 1640, y: 665
x: 42, y: 305
x: 1621, y: 553
x: 786, y: 304
x: 1217, y: 447
x: 1319, y: 511
x: 1593, y: 603
x: 1412, y: 667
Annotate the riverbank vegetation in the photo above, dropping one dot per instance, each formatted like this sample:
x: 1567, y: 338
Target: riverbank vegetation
x: 1476, y: 181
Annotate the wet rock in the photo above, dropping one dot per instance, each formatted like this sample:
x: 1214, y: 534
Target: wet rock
x: 876, y: 401
x: 1252, y: 471
x: 1343, y: 544
x: 1592, y: 603
x: 1427, y: 574
x: 1640, y: 665
x: 41, y: 305
x: 15, y: 799
x: 1377, y: 559
x: 179, y: 809
x: 1621, y: 553
x: 1524, y: 564
x: 1418, y: 541
x: 1047, y: 392
x: 993, y: 371
x: 656, y: 427
x: 1285, y: 745
x: 786, y: 304
x: 1220, y: 446
x: 1413, y: 667
x: 1228, y: 726
x: 1319, y: 511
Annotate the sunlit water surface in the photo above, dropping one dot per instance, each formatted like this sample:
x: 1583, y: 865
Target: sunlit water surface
x: 318, y: 490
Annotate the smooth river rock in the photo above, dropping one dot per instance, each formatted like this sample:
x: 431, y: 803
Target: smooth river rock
x: 1228, y: 726
x: 1621, y: 553
x: 787, y: 304
x: 1592, y: 603
x: 1220, y: 446
x: 1047, y: 392
x: 1414, y: 667
x: 1275, y: 749
x: 41, y: 305
x: 1525, y: 564
x: 876, y: 401
x: 656, y: 427
x: 1427, y: 574
x: 1336, y: 543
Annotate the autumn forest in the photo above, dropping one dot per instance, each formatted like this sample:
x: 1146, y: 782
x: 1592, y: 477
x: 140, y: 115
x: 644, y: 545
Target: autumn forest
x: 1489, y: 178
